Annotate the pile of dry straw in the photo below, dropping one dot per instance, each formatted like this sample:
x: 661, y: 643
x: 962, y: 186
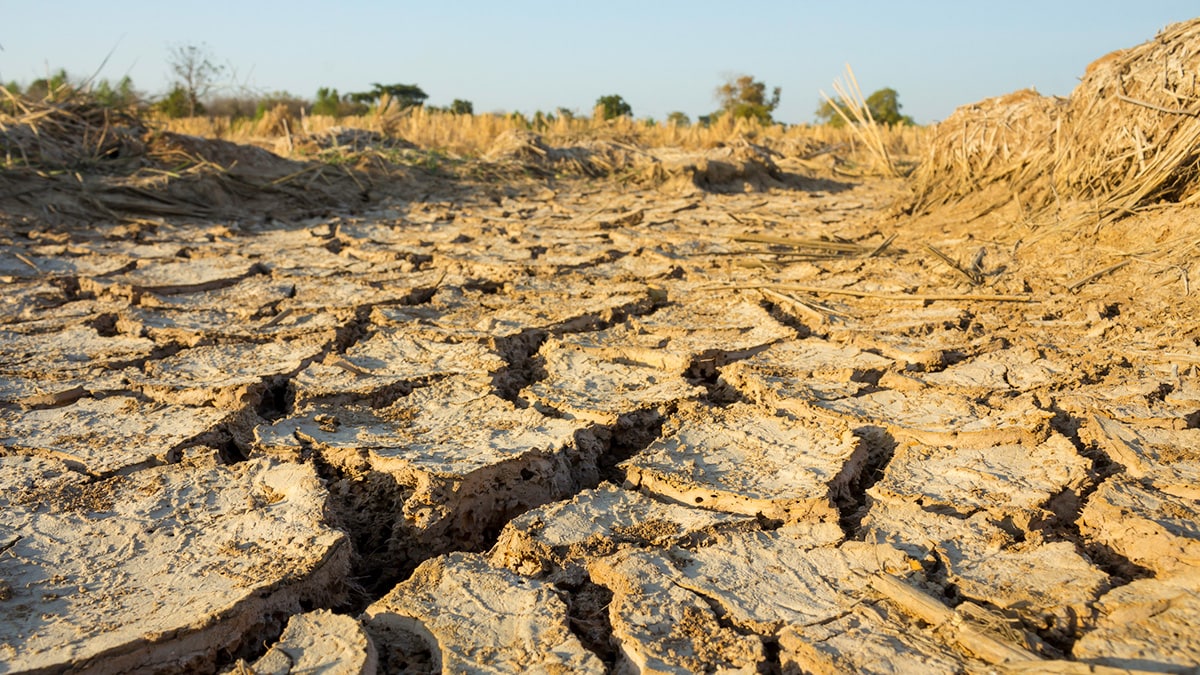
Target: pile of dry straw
x: 1128, y: 136
x: 76, y: 162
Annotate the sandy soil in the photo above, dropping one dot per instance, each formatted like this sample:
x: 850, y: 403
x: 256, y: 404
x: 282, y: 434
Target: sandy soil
x: 558, y: 425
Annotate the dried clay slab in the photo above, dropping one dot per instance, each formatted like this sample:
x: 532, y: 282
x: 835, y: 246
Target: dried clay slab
x: 360, y: 292
x: 172, y: 276
x: 390, y: 358
x: 159, y: 570
x: 555, y: 306
x: 597, y: 522
x: 1015, y: 369
x: 740, y: 459
x: 52, y: 368
x: 476, y: 618
x: 933, y: 415
x: 194, y: 327
x: 763, y: 581
x: 666, y: 602
x: 460, y: 459
x: 808, y: 369
x: 228, y: 376
x: 587, y: 387
x: 688, y: 335
x: 109, y: 435
x: 1015, y: 479
x: 1148, y: 624
x: 660, y: 627
x: 320, y: 642
x: 1139, y: 403
x: 870, y: 638
x: 1144, y: 450
x: 1150, y: 520
x: 1047, y: 584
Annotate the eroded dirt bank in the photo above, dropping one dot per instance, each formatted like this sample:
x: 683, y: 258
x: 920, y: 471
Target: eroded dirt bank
x: 586, y: 426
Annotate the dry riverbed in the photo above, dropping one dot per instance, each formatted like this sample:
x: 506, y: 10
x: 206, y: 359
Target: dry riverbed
x: 719, y: 424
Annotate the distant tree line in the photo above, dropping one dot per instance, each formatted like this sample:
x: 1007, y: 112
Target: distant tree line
x: 197, y: 85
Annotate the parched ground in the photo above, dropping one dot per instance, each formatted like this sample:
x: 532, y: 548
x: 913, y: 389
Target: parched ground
x: 570, y: 425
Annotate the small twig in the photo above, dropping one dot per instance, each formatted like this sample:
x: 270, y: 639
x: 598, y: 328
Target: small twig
x: 971, y: 276
x: 973, y: 638
x: 339, y: 362
x: 797, y: 243
x: 813, y: 309
x: 1151, y: 106
x: 899, y: 297
x: 277, y: 318
x: 5, y: 547
x: 880, y: 248
x: 1096, y: 275
x: 27, y: 261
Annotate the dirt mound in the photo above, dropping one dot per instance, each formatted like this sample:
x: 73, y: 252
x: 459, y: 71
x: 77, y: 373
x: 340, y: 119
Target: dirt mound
x: 348, y: 139
x: 77, y: 162
x: 738, y: 167
x: 1126, y: 137
x: 594, y: 158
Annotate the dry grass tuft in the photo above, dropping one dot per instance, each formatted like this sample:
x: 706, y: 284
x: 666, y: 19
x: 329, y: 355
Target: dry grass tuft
x: 991, y: 152
x: 1129, y: 135
x: 76, y: 162
x: 481, y: 136
x: 860, y: 122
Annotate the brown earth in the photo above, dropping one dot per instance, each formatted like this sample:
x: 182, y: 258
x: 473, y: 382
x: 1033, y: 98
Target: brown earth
x: 599, y: 408
x: 796, y: 395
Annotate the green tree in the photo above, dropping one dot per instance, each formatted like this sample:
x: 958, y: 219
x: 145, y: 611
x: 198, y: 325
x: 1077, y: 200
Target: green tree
x: 177, y: 103
x: 294, y: 104
x: 743, y: 96
x: 678, y: 118
x: 56, y: 86
x: 405, y: 95
x: 328, y: 102
x: 122, y: 96
x: 883, y: 104
x: 612, y: 106
x: 462, y: 107
x: 194, y: 73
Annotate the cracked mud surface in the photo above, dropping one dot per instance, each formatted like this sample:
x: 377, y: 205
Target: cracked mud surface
x: 576, y: 427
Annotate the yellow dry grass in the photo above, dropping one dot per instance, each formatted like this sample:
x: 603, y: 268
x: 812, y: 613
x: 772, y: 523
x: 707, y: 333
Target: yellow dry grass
x: 473, y: 135
x: 1128, y: 136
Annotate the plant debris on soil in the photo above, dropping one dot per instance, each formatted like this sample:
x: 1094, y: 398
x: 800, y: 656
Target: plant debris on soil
x: 604, y: 407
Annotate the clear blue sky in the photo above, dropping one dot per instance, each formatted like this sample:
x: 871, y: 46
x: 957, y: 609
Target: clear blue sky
x: 660, y: 55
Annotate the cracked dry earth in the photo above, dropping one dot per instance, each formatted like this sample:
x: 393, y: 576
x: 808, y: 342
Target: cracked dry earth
x: 517, y: 429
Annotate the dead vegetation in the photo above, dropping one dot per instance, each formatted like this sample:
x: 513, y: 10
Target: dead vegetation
x: 1128, y: 136
x: 76, y: 161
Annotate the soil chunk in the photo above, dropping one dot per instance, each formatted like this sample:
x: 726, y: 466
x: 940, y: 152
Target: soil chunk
x: 460, y: 460
x: 663, y: 628
x: 161, y: 569
x: 476, y: 618
x: 117, y: 434
x: 738, y: 460
x: 596, y: 523
x: 323, y: 642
